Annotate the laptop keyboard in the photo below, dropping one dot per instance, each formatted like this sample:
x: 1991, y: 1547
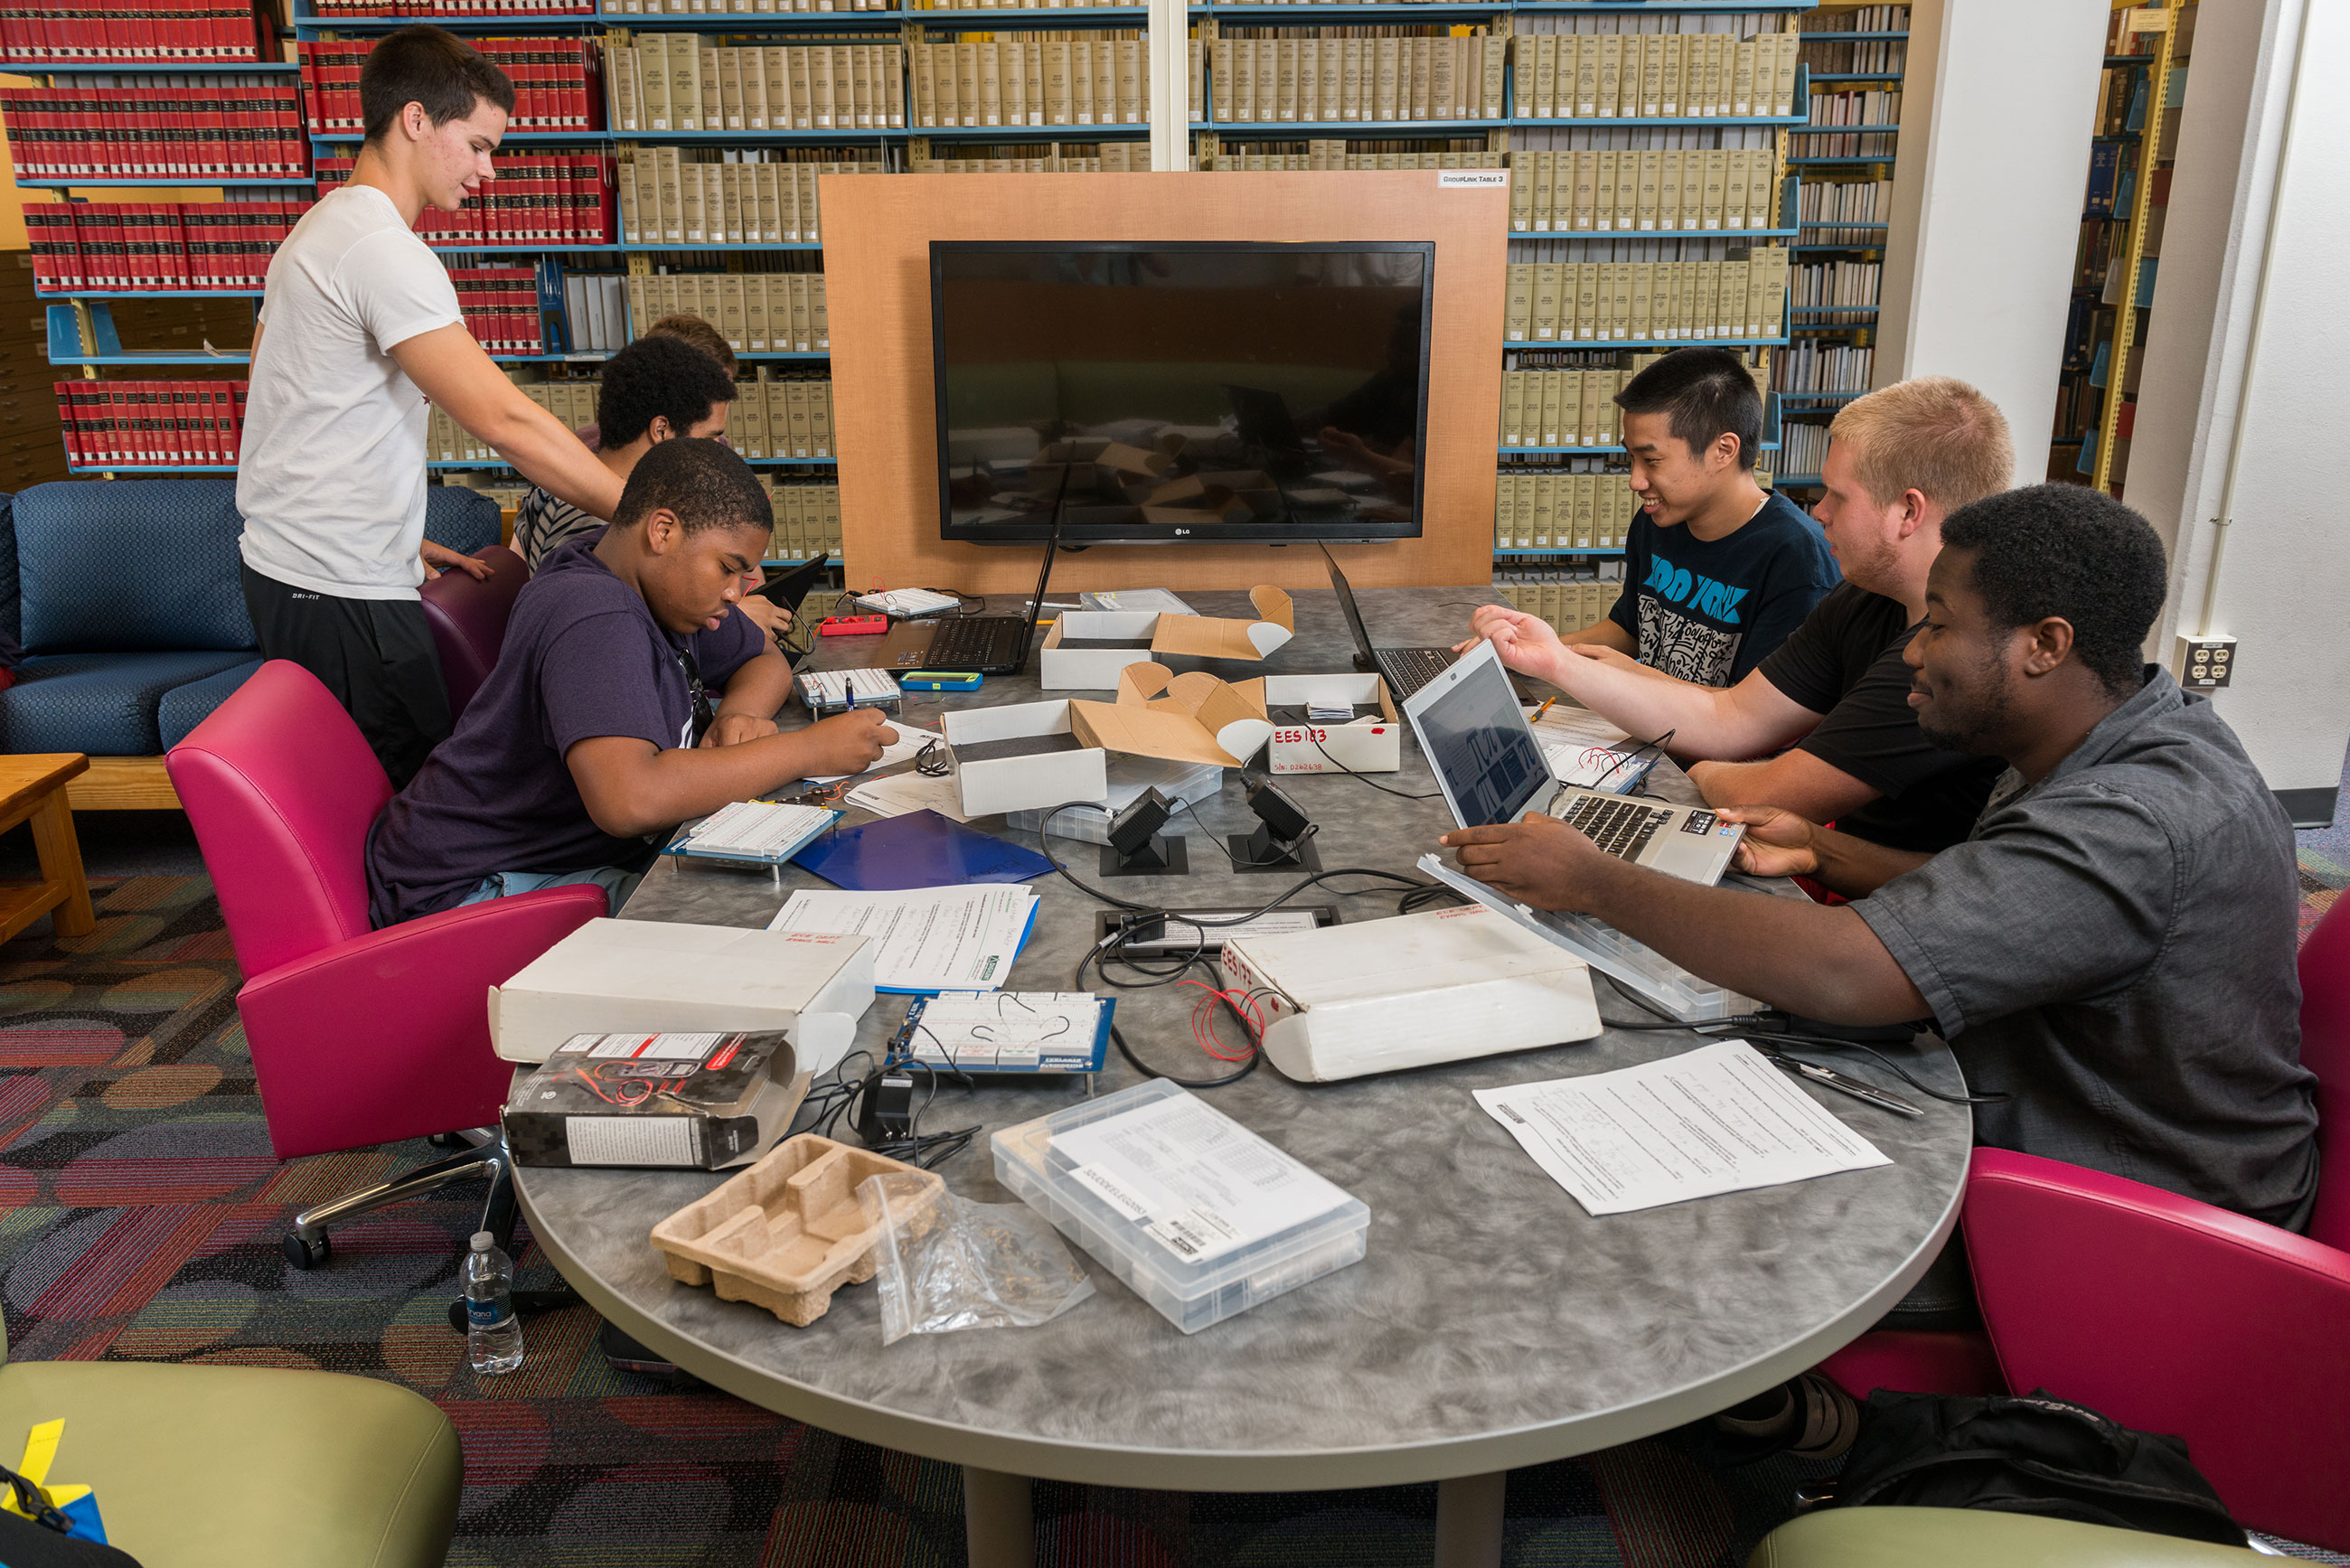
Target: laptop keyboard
x: 1407, y: 670
x: 1621, y: 828
x: 978, y: 642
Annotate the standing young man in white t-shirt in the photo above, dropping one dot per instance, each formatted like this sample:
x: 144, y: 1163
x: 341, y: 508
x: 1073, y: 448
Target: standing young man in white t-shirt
x: 359, y: 330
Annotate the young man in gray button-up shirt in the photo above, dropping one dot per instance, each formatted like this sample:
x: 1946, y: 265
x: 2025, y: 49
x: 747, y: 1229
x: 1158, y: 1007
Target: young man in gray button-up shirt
x: 2112, y: 947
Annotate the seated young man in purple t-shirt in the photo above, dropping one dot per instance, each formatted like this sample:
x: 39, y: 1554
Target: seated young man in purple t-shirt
x: 594, y: 737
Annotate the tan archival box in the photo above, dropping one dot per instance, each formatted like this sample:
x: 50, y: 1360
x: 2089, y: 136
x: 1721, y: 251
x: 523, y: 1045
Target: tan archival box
x: 785, y: 1233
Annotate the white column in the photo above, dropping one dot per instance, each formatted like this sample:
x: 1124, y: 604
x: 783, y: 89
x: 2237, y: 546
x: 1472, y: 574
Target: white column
x: 2267, y: 562
x: 1997, y: 106
x: 1171, y: 85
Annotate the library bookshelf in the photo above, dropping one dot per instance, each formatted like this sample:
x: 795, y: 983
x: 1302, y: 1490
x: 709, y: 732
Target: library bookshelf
x: 588, y: 109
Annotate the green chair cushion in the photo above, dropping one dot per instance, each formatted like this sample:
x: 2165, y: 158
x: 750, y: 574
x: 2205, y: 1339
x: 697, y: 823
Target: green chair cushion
x: 238, y: 1466
x: 1976, y: 1538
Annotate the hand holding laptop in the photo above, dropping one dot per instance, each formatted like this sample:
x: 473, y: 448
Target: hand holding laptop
x: 1778, y: 843
x: 1538, y: 860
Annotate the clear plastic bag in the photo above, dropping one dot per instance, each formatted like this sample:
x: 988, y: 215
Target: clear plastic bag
x: 946, y: 1263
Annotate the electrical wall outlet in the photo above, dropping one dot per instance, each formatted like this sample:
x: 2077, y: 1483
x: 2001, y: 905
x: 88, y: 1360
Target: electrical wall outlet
x: 2204, y: 663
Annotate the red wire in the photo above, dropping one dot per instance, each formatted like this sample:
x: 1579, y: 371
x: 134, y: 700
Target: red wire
x: 1203, y: 1021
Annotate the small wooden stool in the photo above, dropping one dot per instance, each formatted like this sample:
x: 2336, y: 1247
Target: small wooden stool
x: 33, y: 789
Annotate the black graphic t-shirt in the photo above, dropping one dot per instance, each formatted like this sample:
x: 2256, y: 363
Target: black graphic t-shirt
x: 1710, y: 611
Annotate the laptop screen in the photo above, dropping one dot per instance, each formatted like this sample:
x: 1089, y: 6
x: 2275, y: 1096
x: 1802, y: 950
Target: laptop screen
x: 1347, y: 607
x: 1479, y: 742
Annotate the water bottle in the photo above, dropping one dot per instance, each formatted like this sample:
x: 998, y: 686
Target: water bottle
x: 493, y: 1336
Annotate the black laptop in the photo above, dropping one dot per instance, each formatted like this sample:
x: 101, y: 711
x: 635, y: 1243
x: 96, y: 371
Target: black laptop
x: 1405, y: 670
x: 989, y: 644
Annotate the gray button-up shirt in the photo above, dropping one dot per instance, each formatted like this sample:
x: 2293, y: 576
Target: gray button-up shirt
x: 2113, y: 949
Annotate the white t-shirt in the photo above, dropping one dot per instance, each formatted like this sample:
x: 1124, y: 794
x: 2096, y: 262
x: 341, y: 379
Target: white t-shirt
x: 330, y: 479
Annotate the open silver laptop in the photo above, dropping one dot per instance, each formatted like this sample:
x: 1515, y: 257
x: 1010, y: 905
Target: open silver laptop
x: 1491, y: 768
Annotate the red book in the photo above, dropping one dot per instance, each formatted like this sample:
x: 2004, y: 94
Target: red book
x: 196, y: 424
x: 69, y: 422
x: 172, y: 422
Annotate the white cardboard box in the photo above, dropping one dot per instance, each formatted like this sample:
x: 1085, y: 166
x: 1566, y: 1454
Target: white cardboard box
x: 616, y: 976
x: 1021, y: 783
x: 1060, y: 669
x: 1373, y: 744
x: 1377, y: 996
x: 1063, y: 668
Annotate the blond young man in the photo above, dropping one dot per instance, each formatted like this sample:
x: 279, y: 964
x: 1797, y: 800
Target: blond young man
x: 1833, y: 702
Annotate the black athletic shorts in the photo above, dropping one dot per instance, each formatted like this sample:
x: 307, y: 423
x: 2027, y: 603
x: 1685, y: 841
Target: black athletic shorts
x: 375, y: 655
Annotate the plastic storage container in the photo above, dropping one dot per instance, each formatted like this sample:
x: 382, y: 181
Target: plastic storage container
x: 1190, y: 1295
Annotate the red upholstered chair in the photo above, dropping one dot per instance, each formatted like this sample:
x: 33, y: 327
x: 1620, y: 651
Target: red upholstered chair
x: 2080, y: 1278
x: 2174, y: 1317
x: 358, y: 1036
x: 469, y: 621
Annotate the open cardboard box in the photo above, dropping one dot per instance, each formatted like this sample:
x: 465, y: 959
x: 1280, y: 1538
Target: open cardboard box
x: 1373, y: 744
x: 1064, y: 668
x: 1189, y: 718
x: 1023, y: 782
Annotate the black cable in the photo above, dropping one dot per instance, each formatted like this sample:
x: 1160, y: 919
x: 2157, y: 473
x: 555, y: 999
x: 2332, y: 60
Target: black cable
x: 1044, y: 840
x: 1098, y: 953
x: 1770, y: 1027
x: 1419, y: 898
x: 1214, y: 838
x: 1364, y: 778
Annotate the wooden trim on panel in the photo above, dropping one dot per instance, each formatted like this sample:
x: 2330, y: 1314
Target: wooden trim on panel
x: 123, y: 784
x: 876, y: 268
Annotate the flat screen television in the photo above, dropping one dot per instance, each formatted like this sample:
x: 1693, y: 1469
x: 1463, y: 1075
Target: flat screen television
x: 1187, y: 392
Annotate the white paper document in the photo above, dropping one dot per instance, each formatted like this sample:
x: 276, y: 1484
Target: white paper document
x: 1721, y: 1118
x: 930, y: 938
x: 902, y: 793
x: 1584, y: 749
x: 1201, y: 1183
x: 911, y: 739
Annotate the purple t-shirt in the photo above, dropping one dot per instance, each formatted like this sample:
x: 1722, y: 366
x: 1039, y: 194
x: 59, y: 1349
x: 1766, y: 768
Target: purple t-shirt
x: 583, y: 658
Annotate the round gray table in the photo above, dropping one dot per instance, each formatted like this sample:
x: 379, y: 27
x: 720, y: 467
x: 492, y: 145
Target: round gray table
x: 1493, y: 1322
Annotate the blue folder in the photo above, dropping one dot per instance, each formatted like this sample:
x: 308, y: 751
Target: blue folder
x: 920, y: 849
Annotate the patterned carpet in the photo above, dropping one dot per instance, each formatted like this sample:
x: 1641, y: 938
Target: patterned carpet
x: 139, y: 1218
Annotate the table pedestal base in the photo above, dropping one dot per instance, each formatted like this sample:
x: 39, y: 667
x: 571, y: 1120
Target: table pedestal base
x: 999, y: 1519
x: 1469, y: 1521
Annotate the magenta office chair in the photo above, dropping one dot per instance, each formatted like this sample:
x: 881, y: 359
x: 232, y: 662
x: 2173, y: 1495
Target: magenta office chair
x: 2173, y: 1316
x: 358, y: 1036
x: 469, y: 622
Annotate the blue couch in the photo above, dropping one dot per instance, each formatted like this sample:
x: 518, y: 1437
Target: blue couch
x: 123, y: 594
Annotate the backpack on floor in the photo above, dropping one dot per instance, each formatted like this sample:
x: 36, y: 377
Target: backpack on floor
x: 36, y: 1537
x: 2028, y: 1454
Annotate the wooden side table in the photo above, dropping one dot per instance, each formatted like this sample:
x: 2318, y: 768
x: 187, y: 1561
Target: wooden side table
x: 33, y: 789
